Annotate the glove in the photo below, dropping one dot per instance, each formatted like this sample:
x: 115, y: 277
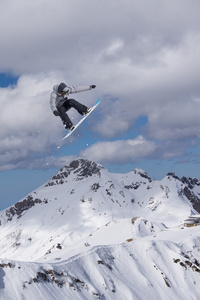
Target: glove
x: 93, y: 86
x: 56, y: 113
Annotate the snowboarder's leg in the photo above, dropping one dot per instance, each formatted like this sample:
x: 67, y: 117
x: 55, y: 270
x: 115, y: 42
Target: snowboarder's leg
x: 82, y: 109
x: 66, y: 120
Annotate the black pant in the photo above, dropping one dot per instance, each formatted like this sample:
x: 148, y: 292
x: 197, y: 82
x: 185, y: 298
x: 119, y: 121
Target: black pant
x: 69, y: 103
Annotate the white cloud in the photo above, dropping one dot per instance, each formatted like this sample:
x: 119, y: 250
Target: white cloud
x: 166, y: 93
x: 143, y: 57
x: 26, y: 122
x: 120, y: 151
x: 46, y: 35
x: 29, y: 130
x: 48, y: 162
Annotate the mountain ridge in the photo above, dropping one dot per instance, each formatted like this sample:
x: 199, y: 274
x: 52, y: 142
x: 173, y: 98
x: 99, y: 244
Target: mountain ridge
x: 86, y: 216
x: 84, y: 168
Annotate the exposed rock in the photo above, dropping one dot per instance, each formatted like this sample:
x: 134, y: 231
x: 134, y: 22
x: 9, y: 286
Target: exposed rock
x: 173, y: 175
x: 81, y: 167
x: 195, y: 201
x: 142, y: 173
x: 190, y: 182
x: 21, y: 206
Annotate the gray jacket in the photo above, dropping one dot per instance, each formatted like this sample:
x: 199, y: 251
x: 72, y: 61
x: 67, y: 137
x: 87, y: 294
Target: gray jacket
x: 57, y: 100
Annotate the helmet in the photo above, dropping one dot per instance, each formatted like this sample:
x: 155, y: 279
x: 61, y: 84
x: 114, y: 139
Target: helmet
x: 61, y: 87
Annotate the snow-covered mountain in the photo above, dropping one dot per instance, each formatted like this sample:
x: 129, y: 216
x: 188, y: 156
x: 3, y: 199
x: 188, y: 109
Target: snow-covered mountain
x: 91, y: 234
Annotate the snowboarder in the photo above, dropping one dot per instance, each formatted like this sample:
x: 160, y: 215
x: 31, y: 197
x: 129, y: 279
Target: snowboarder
x: 60, y: 104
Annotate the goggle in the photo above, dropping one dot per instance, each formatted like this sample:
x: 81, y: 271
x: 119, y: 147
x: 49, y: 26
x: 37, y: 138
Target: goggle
x: 63, y: 93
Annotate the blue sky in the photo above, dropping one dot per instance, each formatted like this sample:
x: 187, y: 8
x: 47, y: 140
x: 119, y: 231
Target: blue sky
x: 146, y: 73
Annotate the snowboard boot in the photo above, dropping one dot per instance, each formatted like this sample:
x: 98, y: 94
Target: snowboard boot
x: 69, y: 127
x: 87, y: 112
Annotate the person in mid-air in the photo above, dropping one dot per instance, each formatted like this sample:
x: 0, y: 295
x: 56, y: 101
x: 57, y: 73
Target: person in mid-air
x: 60, y: 103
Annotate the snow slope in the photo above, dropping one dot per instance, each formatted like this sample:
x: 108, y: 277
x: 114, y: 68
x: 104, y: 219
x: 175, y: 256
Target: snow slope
x: 91, y: 234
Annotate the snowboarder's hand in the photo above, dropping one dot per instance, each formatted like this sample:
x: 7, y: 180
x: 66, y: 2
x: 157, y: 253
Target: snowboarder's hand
x: 56, y: 113
x: 93, y: 86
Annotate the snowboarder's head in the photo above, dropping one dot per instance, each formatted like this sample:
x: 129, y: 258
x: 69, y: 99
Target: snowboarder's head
x: 61, y: 88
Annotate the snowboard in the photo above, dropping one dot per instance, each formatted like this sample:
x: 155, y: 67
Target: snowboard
x: 82, y: 119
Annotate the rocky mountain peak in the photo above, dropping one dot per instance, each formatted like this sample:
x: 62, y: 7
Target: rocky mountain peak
x: 191, y: 182
x: 187, y: 189
x: 142, y: 173
x: 85, y: 168
x: 172, y: 175
x: 56, y: 237
x: 80, y: 167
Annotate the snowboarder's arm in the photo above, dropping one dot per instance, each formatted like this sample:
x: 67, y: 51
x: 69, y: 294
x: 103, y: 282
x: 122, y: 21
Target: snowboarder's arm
x: 72, y: 89
x: 52, y: 101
